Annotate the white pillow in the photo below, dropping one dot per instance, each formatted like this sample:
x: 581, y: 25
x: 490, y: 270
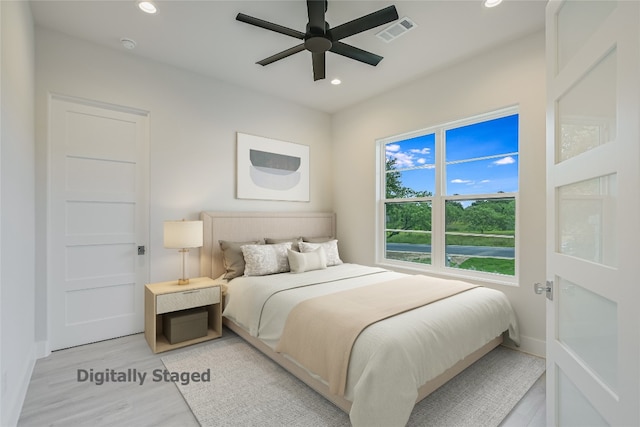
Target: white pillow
x: 330, y: 248
x: 261, y: 260
x: 314, y: 260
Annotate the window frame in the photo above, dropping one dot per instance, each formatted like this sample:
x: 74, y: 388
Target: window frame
x: 438, y: 204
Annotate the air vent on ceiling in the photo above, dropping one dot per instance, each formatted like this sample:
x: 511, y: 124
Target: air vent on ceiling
x: 397, y: 29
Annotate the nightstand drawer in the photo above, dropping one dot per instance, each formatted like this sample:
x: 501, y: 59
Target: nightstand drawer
x: 174, y: 301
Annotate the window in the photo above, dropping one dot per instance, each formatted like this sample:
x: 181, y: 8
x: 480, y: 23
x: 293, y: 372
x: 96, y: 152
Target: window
x: 448, y: 197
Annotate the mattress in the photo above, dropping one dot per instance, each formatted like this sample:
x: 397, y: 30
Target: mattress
x: 390, y: 359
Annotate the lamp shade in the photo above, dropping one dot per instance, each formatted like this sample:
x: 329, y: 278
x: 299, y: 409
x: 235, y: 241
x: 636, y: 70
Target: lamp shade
x: 182, y: 234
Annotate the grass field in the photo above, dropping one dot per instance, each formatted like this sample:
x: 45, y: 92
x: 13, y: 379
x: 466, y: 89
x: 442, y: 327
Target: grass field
x: 419, y: 257
x: 425, y: 239
x: 488, y: 265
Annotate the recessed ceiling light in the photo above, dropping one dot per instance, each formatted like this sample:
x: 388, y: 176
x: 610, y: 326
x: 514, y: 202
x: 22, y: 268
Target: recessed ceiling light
x: 147, y: 7
x: 491, y: 3
x: 336, y: 82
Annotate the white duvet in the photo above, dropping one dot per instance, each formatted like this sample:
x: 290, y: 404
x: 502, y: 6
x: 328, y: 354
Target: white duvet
x: 390, y: 359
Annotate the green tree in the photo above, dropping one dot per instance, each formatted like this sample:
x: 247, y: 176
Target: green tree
x: 406, y: 215
x: 490, y: 215
x: 394, y: 189
x: 480, y: 218
x: 454, y: 213
x: 409, y: 216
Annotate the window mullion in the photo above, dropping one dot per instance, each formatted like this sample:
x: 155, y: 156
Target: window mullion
x: 437, y: 224
x: 381, y: 182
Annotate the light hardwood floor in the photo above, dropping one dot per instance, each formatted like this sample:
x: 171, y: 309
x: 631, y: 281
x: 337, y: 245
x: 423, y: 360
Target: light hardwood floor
x: 56, y: 398
x: 531, y: 410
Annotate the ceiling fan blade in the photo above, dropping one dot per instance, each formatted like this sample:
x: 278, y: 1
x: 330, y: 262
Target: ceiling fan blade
x: 365, y: 23
x: 318, y: 66
x: 269, y: 26
x: 316, y: 10
x: 354, y: 53
x: 281, y: 55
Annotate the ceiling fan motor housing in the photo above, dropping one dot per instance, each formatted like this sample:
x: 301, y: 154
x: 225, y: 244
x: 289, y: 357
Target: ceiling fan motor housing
x: 318, y: 40
x: 317, y: 44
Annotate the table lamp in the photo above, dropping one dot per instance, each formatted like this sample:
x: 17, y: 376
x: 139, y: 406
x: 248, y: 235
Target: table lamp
x: 183, y: 235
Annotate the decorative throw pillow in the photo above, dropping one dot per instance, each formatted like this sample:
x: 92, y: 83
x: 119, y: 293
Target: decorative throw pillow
x: 232, y: 257
x: 261, y: 260
x: 301, y: 262
x: 294, y: 242
x: 330, y: 248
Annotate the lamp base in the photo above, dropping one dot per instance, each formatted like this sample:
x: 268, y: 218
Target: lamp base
x: 183, y: 281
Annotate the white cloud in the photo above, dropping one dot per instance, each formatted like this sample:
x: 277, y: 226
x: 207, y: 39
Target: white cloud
x: 403, y: 160
x: 461, y: 181
x: 407, y: 159
x: 484, y: 181
x: 425, y: 150
x: 505, y: 161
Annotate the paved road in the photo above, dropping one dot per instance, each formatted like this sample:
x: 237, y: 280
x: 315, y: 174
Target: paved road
x: 455, y: 250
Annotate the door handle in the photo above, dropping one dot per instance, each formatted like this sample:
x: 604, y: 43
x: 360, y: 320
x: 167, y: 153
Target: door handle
x: 539, y: 288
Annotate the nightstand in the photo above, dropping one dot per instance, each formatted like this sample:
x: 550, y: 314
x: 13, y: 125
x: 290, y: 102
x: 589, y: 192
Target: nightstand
x: 168, y: 297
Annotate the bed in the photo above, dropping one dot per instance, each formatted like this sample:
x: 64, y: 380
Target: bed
x: 393, y: 363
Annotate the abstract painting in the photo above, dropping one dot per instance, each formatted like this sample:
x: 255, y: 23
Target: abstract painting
x: 269, y: 169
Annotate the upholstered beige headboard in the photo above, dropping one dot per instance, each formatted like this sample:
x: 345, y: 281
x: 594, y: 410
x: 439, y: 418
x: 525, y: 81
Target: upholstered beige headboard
x: 246, y: 226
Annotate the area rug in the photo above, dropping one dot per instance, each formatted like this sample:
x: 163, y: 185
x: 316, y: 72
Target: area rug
x: 246, y: 388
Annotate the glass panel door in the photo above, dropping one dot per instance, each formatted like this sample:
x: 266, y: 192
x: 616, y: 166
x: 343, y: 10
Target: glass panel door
x: 593, y: 158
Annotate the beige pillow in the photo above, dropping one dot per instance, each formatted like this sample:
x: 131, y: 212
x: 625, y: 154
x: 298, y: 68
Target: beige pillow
x: 294, y: 242
x: 317, y: 239
x: 301, y: 262
x: 261, y: 260
x: 330, y: 248
x: 232, y: 257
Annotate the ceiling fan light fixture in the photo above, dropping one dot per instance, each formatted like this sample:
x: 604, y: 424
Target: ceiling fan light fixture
x: 148, y: 7
x: 491, y: 3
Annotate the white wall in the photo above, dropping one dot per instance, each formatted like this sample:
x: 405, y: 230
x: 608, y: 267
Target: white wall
x: 513, y: 74
x: 17, y: 218
x: 193, y: 122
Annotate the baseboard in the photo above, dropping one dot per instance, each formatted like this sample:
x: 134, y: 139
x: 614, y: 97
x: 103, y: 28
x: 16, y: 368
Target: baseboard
x: 16, y: 400
x: 42, y: 349
x: 530, y: 345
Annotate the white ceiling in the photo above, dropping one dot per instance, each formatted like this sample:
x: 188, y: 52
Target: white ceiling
x: 204, y: 37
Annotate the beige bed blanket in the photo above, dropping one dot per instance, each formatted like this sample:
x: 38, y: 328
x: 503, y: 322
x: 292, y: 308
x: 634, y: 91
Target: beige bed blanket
x: 319, y: 333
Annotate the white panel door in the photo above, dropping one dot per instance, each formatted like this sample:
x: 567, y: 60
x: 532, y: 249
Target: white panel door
x: 99, y: 212
x: 593, y: 163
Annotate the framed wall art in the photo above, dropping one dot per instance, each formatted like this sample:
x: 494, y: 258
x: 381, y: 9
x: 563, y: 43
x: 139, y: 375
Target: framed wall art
x: 269, y: 169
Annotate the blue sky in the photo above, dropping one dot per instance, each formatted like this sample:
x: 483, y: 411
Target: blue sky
x: 480, y: 158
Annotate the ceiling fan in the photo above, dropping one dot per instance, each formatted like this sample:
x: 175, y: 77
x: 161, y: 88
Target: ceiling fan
x: 320, y: 37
